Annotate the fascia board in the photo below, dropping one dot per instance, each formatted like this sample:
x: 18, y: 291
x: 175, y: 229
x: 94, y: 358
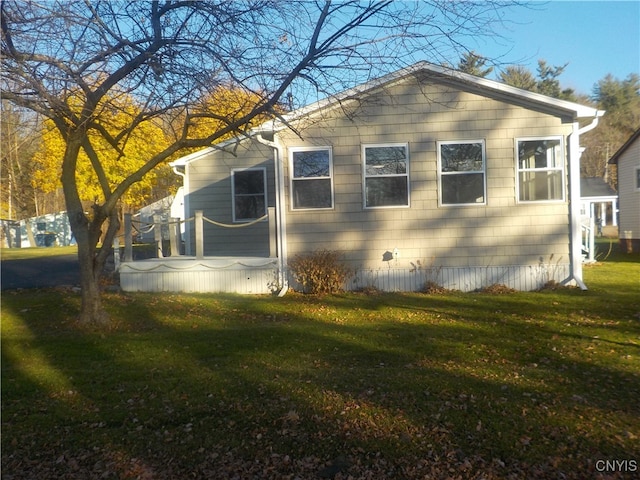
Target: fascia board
x: 616, y: 156
x: 182, y: 161
x: 519, y: 95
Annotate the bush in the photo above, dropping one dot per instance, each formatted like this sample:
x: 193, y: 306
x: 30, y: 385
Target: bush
x: 430, y: 275
x: 322, y: 271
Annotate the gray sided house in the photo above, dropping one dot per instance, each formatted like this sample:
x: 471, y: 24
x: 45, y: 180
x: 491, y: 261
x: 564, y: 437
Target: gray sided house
x: 427, y: 174
x: 627, y: 158
x: 49, y: 230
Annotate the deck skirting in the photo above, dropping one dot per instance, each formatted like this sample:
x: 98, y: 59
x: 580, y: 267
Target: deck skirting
x: 253, y: 275
x: 246, y: 275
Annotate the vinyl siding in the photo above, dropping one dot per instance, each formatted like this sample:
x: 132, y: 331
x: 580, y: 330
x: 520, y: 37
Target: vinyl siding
x: 628, y: 194
x: 502, y: 232
x: 210, y: 191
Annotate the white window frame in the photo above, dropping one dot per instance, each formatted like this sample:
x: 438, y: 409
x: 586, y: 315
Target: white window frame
x: 636, y: 179
x: 365, y: 176
x: 233, y: 192
x: 466, y: 172
x: 561, y: 169
x: 293, y: 179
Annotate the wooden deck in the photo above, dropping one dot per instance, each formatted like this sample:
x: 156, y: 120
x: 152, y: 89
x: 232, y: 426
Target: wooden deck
x: 247, y: 275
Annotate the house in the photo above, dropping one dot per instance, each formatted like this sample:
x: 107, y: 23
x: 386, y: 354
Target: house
x: 627, y: 158
x: 49, y: 230
x: 167, y: 208
x: 472, y: 181
x: 596, y: 197
x: 599, y: 201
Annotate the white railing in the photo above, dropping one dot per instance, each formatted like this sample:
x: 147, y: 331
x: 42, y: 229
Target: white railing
x: 588, y: 240
x: 173, y: 225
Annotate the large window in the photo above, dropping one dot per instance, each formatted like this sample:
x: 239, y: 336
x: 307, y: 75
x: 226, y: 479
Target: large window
x: 311, y: 184
x: 249, y: 193
x: 386, y: 175
x: 461, y: 167
x: 540, y: 169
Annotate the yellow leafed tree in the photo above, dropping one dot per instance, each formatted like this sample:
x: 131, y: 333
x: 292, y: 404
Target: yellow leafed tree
x: 223, y: 106
x: 144, y: 142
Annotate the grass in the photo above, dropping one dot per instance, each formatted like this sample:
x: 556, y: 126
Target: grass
x: 523, y: 385
x: 8, y: 254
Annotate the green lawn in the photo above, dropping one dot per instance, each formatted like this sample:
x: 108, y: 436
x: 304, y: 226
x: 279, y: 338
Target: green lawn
x: 524, y: 385
x: 35, y: 252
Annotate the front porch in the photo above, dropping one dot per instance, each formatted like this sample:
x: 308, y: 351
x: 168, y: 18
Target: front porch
x: 199, y: 273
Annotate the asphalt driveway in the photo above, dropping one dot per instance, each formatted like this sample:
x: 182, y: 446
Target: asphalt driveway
x: 54, y: 271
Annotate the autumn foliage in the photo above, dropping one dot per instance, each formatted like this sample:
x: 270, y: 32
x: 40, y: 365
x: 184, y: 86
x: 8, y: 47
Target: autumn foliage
x: 145, y: 141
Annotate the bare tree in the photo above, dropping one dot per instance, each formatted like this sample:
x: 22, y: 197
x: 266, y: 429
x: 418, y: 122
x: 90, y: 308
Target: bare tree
x: 18, y: 141
x: 65, y: 59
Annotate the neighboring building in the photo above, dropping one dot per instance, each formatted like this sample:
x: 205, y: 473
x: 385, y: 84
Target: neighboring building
x: 48, y: 230
x: 599, y: 201
x: 474, y: 177
x: 627, y: 158
x: 10, y: 233
x: 165, y: 209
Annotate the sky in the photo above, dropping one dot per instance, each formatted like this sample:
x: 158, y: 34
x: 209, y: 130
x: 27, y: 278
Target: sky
x: 595, y: 37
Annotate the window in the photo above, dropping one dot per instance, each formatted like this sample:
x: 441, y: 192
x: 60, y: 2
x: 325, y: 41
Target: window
x: 540, y: 169
x: 461, y: 166
x: 637, y: 178
x: 311, y: 185
x: 386, y: 175
x: 249, y: 193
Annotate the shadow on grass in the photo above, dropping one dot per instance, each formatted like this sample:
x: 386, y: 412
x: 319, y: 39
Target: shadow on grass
x: 194, y: 386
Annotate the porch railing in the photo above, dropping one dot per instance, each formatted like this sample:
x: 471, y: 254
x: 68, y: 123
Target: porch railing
x: 173, y: 225
x: 588, y: 240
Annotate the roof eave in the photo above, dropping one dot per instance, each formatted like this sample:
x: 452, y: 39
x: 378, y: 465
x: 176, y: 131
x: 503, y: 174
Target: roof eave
x: 616, y: 156
x: 563, y: 108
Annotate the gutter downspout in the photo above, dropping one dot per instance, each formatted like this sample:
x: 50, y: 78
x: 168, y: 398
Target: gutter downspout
x: 185, y: 186
x: 574, y: 197
x: 280, y: 212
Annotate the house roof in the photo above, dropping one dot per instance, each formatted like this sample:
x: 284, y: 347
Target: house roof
x: 616, y: 156
x: 595, y: 187
x: 443, y: 75
x: 465, y: 81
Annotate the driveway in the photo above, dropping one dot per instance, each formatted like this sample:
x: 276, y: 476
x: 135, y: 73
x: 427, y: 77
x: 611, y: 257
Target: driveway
x: 52, y: 271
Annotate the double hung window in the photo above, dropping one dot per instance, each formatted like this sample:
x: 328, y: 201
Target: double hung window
x: 540, y: 169
x: 461, y: 168
x: 311, y: 179
x: 249, y: 193
x: 386, y: 175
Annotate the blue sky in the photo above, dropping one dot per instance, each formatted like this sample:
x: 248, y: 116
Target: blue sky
x: 594, y: 37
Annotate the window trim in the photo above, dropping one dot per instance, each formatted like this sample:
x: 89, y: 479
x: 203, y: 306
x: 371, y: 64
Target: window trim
x: 233, y: 193
x: 636, y: 179
x: 363, y: 148
x: 293, y: 179
x: 562, y: 169
x: 481, y: 141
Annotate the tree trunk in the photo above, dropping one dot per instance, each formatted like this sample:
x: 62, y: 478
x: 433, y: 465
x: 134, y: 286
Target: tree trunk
x: 91, y: 311
x: 87, y: 234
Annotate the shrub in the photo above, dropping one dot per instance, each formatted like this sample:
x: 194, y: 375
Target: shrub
x: 430, y: 274
x: 322, y: 271
x: 496, y: 289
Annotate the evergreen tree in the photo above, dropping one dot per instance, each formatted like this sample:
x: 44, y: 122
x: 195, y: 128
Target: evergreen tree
x: 518, y: 76
x: 474, y: 64
x: 621, y: 100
